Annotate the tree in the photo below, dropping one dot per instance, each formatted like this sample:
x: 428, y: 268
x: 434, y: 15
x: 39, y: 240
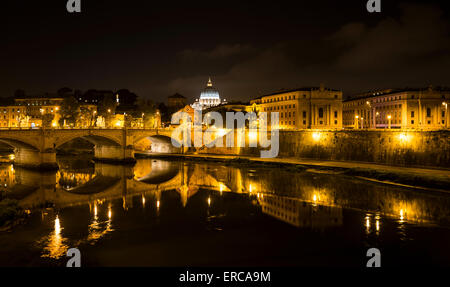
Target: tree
x: 47, y: 120
x: 107, y: 108
x: 126, y: 97
x: 147, y: 110
x: 69, y: 111
x: 85, y: 118
x: 165, y: 115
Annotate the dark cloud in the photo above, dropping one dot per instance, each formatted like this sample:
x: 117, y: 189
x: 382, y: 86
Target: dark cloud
x: 411, y: 50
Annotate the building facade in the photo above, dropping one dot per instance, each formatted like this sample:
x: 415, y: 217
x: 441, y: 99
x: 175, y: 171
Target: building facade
x: 176, y: 102
x: 305, y: 108
x: 401, y: 109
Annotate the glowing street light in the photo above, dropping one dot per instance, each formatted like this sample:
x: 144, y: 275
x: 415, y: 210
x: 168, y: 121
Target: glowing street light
x: 445, y: 104
x: 389, y: 121
x: 356, y: 121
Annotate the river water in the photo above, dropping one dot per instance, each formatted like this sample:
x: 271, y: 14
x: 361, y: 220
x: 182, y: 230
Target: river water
x: 182, y: 213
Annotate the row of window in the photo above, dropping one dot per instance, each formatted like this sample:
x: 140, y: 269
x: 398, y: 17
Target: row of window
x: 285, y: 98
x: 277, y: 108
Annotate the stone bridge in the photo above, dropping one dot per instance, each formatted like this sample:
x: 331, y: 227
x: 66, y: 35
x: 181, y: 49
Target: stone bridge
x: 36, y: 148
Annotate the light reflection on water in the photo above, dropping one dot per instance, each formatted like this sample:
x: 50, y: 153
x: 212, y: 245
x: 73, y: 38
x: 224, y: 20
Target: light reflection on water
x: 299, y: 199
x: 54, y: 244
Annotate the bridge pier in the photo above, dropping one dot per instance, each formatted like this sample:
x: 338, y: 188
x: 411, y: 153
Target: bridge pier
x: 114, y: 154
x: 34, y: 159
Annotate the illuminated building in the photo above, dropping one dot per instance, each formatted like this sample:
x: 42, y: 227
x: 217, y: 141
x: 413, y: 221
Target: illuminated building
x: 13, y: 116
x: 304, y: 108
x: 405, y: 109
x: 209, y: 97
x: 300, y: 214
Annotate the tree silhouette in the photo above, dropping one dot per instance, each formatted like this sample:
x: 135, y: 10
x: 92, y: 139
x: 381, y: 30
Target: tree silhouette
x: 69, y: 111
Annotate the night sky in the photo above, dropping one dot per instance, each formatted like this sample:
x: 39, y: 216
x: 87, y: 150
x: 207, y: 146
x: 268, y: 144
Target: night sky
x: 248, y: 48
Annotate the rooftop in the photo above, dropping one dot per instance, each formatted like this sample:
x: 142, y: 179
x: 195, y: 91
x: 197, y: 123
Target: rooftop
x: 375, y: 93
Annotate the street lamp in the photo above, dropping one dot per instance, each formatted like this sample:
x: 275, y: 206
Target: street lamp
x: 445, y: 104
x: 356, y: 121
x: 389, y: 121
x: 362, y: 123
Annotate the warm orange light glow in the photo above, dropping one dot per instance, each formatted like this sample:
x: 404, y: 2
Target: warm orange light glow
x: 316, y: 136
x: 403, y: 137
x: 221, y: 132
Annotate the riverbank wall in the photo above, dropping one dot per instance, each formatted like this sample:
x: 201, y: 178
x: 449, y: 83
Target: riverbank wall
x: 391, y: 147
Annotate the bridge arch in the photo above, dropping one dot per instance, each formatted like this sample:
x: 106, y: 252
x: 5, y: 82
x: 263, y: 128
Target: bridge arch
x: 155, y: 143
x: 96, y: 140
x: 18, y: 144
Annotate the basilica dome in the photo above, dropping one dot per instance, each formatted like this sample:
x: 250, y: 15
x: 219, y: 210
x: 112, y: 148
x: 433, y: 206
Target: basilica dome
x: 209, y: 93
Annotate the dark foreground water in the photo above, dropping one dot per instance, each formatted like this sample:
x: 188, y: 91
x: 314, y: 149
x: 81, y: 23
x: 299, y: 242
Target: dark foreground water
x: 162, y: 213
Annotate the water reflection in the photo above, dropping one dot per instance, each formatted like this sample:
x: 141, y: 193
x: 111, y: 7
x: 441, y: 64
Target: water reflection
x: 54, y: 244
x: 102, y: 195
x: 98, y: 228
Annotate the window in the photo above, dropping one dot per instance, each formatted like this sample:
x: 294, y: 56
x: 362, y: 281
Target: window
x: 335, y: 114
x: 412, y: 114
x: 304, y: 114
x: 335, y: 96
x: 412, y: 122
x: 304, y: 122
x: 428, y: 112
x: 335, y: 122
x: 321, y: 113
x: 443, y: 114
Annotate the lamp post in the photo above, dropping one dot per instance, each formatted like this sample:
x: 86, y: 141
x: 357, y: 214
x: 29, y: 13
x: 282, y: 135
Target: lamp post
x: 389, y: 121
x: 377, y: 114
x: 445, y: 104
x: 362, y: 123
x: 368, y: 114
x: 356, y: 122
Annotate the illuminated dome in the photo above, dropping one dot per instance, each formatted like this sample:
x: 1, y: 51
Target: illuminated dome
x: 209, y: 97
x: 209, y: 92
